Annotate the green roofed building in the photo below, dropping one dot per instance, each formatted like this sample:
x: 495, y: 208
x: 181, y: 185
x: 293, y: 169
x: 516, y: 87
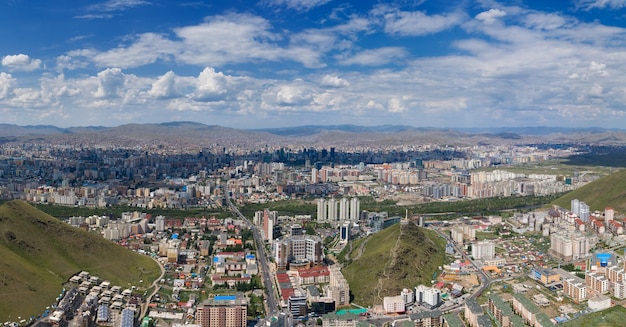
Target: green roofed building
x: 343, y: 320
x: 530, y: 312
x: 452, y: 320
x: 502, y: 313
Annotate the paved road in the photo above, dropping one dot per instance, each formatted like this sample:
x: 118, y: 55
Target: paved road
x: 268, y: 279
x: 144, y: 308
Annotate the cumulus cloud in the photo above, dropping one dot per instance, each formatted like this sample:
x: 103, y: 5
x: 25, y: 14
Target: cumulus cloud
x: 20, y: 62
x: 212, y: 86
x: 416, y: 22
x: 375, y: 57
x: 491, y: 15
x: 165, y: 87
x: 289, y: 95
x: 394, y: 105
x: 7, y: 83
x: 334, y: 81
x: 298, y: 5
x: 110, y: 83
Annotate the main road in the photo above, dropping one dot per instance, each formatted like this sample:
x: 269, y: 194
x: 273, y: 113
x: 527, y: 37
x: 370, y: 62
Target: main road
x: 268, y: 279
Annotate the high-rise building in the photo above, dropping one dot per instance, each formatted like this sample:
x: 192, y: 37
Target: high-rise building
x: 223, y: 311
x: 322, y: 210
x: 332, y: 209
x: 343, y: 209
x: 584, y: 212
x: 314, y: 176
x: 300, y: 247
x: 483, y: 250
x: 432, y: 297
x: 355, y: 209
x: 268, y: 226
x: 160, y: 223
x: 344, y: 233
x: 575, y: 206
x: 338, y: 288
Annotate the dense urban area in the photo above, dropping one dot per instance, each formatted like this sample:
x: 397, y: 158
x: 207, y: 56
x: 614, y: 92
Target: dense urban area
x: 266, y: 237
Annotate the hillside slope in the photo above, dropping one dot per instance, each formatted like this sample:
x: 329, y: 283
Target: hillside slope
x: 608, y: 191
x: 39, y: 253
x: 403, y: 255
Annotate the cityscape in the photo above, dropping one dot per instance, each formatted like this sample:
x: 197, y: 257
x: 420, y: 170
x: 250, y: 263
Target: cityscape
x: 272, y: 238
x: 279, y: 163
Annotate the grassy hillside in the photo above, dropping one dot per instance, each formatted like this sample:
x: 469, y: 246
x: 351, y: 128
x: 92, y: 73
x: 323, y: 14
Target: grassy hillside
x: 612, y: 317
x: 39, y: 253
x: 608, y: 191
x: 397, y: 257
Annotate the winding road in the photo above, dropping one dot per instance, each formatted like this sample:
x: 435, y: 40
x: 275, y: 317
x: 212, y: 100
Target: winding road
x: 156, y: 286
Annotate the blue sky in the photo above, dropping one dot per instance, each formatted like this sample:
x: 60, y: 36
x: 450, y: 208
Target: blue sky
x: 277, y: 63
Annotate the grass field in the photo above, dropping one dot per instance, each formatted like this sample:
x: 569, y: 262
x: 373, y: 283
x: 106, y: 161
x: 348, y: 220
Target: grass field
x: 613, y: 317
x: 397, y: 257
x: 565, y: 167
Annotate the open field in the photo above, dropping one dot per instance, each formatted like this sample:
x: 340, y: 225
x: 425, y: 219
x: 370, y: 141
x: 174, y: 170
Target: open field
x: 564, y: 166
x: 613, y: 317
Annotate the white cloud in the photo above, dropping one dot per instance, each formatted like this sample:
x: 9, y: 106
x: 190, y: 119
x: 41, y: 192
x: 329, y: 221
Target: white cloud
x: 228, y: 39
x: 491, y: 15
x: 21, y: 62
x: 394, y: 105
x: 334, y: 81
x: 544, y: 21
x: 110, y: 83
x: 598, y: 68
x: 375, y: 57
x: 596, y: 90
x: 417, y: 22
x: 166, y: 87
x: 116, y: 5
x: 599, y: 4
x: 75, y: 59
x: 289, y: 95
x: 147, y: 49
x: 298, y: 5
x: 7, y: 83
x: 212, y: 86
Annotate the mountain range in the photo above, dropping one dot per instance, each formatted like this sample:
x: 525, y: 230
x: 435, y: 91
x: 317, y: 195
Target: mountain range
x: 195, y: 135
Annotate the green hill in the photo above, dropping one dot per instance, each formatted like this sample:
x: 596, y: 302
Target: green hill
x: 607, y: 191
x: 403, y: 255
x: 39, y: 253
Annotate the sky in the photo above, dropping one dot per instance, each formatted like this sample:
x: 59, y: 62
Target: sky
x: 285, y: 63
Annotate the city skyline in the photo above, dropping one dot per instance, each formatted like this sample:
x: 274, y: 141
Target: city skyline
x: 280, y: 63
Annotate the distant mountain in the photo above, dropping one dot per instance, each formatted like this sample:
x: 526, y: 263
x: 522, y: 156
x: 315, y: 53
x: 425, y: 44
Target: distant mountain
x: 316, y: 129
x: 15, y: 130
x: 192, y: 135
x: 537, y: 130
x: 39, y: 253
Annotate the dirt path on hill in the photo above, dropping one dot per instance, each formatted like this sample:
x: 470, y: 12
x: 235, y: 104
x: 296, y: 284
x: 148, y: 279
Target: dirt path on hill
x: 392, y: 262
